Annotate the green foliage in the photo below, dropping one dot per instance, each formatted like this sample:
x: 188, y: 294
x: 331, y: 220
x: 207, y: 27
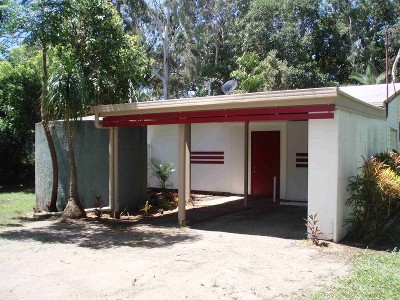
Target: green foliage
x: 373, y: 195
x: 112, y: 62
x: 67, y: 89
x: 15, y: 205
x: 162, y: 171
x: 313, y: 229
x: 369, y: 77
x: 145, y: 209
x: 374, y: 276
x: 19, y: 90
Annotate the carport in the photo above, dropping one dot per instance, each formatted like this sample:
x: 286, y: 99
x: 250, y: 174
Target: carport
x: 298, y: 105
x: 333, y: 118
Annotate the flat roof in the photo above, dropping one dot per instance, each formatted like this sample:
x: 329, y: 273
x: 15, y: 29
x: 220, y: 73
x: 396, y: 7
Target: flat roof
x: 374, y: 94
x: 368, y: 96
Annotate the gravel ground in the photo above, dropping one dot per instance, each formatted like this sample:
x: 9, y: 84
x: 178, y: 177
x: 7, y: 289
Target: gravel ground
x: 253, y: 254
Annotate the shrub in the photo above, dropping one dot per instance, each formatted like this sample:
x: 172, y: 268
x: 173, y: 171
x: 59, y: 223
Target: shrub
x: 162, y: 171
x: 373, y: 194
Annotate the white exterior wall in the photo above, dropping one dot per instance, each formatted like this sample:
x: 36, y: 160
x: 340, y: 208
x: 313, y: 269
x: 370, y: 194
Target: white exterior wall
x: 228, y: 177
x: 162, y: 143
x: 229, y: 137
x: 393, y: 124
x: 297, y: 178
x: 359, y: 137
x: 336, y: 148
x: 323, y: 173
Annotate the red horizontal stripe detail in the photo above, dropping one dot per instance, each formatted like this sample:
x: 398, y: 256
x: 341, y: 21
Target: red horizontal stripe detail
x: 206, y: 157
x: 222, y: 119
x: 301, y: 159
x: 208, y: 162
x: 207, y: 152
x: 301, y: 166
x: 224, y: 113
x: 301, y: 154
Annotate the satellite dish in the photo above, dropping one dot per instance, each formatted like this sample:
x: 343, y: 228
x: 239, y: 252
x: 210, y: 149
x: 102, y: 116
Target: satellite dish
x: 229, y: 86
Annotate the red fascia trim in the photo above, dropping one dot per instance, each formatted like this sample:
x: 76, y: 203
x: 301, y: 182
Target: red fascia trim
x: 207, y: 162
x: 227, y: 112
x: 223, y: 113
x: 286, y: 117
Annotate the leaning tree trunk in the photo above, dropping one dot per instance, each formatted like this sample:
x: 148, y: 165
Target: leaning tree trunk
x: 52, y: 204
x: 74, y: 208
x: 166, y: 61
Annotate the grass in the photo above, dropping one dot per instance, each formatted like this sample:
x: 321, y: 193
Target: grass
x: 374, y: 276
x: 14, y: 206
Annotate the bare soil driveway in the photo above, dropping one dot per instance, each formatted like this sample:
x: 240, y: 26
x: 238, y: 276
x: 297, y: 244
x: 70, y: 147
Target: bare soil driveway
x: 249, y: 254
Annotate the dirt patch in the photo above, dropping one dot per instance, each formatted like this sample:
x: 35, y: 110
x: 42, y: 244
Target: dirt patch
x: 245, y: 255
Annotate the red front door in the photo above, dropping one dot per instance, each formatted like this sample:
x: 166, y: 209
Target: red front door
x: 265, y: 163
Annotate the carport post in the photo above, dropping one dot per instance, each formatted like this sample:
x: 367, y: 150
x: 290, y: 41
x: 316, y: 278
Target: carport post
x: 184, y: 171
x: 246, y: 164
x: 113, y: 171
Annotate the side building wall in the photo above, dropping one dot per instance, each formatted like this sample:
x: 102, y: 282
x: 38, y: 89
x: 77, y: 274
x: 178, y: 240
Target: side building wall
x: 336, y: 151
x: 393, y: 124
x: 92, y: 159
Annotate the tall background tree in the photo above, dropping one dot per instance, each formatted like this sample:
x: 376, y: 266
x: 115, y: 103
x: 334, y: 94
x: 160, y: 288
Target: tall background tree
x: 126, y: 49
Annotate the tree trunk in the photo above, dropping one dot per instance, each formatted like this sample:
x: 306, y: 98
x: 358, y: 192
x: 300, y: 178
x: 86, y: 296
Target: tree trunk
x: 166, y: 58
x: 216, y: 45
x: 52, y: 204
x: 74, y: 208
x: 394, y: 68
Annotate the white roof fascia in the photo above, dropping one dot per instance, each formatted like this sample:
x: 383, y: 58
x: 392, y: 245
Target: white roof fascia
x: 358, y: 106
x: 237, y: 101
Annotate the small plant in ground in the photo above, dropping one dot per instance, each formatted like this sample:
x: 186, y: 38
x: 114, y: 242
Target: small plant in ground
x: 164, y: 203
x: 98, y: 204
x: 162, y: 171
x: 145, y: 209
x: 313, y: 229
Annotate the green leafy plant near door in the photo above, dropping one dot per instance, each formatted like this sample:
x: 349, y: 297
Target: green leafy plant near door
x: 162, y: 171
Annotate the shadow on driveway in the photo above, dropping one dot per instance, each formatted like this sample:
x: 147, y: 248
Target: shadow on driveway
x: 95, y: 234
x: 260, y: 218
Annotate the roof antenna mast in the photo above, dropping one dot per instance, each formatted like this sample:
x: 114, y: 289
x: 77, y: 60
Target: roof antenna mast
x: 387, y: 70
x: 387, y: 63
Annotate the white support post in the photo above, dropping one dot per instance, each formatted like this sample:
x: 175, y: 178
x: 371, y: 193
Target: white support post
x: 246, y: 164
x: 116, y: 185
x: 113, y: 171
x: 184, y: 171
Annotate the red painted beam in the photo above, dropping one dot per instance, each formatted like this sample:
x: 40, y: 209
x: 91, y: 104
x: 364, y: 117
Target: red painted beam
x: 223, y: 113
x: 278, y: 117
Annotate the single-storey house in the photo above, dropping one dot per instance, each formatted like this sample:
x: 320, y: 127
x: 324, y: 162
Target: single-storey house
x: 298, y: 147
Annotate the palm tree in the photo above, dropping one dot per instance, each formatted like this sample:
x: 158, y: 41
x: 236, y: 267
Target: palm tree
x: 68, y: 99
x: 369, y: 77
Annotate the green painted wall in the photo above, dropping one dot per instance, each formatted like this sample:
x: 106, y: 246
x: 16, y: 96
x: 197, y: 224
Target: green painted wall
x: 91, y: 154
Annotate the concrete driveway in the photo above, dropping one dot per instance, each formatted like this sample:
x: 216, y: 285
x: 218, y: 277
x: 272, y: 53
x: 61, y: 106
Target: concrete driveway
x: 257, y: 253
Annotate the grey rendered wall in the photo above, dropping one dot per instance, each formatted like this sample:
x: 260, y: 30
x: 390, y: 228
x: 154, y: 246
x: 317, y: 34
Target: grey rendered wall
x: 132, y: 167
x: 91, y: 154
